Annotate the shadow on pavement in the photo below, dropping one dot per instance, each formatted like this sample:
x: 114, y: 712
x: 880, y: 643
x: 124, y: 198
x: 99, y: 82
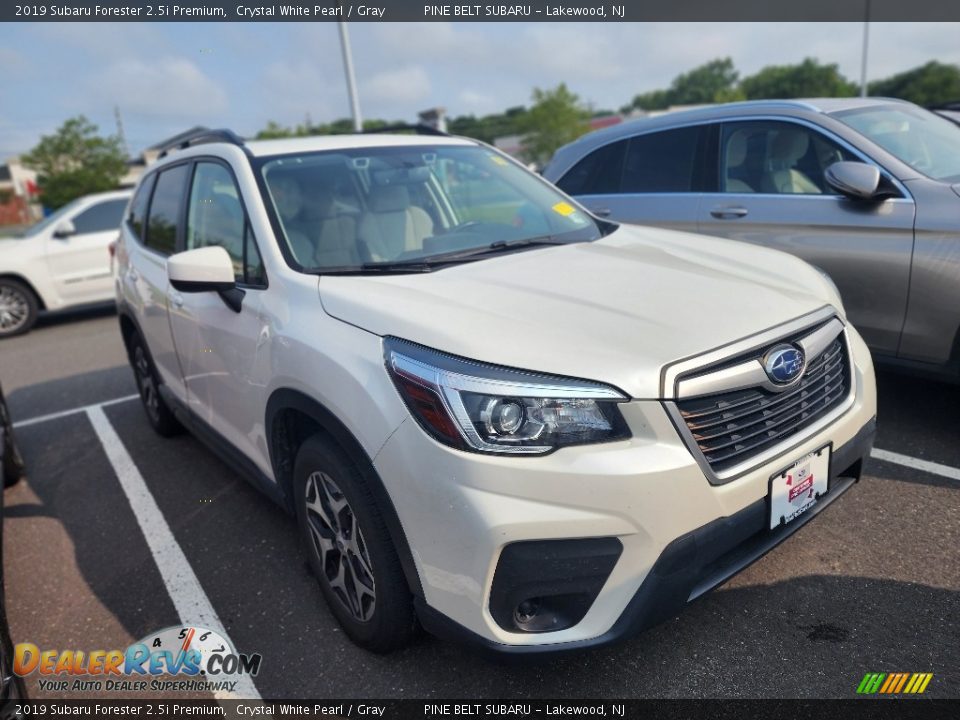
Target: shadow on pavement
x: 71, y: 392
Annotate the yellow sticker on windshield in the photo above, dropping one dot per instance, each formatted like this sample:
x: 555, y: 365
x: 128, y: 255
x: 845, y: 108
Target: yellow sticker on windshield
x: 498, y: 160
x: 564, y: 208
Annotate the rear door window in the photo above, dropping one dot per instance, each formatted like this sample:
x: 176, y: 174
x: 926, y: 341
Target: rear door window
x: 663, y: 162
x: 137, y: 219
x: 102, y: 217
x: 165, y: 210
x: 598, y: 173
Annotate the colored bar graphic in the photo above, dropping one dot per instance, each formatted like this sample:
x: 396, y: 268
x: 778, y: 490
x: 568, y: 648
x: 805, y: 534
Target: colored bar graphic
x: 894, y: 683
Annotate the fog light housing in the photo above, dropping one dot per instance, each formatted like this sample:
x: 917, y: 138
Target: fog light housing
x: 548, y: 585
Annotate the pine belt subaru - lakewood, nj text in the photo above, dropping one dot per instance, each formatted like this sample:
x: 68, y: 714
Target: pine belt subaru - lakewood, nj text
x: 493, y: 414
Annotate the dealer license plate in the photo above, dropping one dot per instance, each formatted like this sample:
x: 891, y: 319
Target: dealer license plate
x: 797, y: 488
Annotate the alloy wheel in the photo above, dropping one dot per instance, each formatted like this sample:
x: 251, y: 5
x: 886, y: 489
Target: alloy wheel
x: 14, y: 309
x: 338, y: 541
x: 148, y: 388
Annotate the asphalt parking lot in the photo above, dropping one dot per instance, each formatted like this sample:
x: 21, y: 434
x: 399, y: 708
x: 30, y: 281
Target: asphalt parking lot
x: 873, y: 585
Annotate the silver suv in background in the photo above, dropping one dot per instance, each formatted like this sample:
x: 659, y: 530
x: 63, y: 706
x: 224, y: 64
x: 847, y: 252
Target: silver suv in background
x: 866, y: 189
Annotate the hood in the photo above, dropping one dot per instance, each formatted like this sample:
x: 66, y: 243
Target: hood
x: 616, y: 310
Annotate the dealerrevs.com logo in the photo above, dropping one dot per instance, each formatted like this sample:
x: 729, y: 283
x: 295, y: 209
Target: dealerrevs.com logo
x: 187, y: 659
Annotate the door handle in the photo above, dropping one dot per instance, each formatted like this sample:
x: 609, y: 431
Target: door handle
x: 176, y: 299
x: 726, y: 213
x: 601, y: 212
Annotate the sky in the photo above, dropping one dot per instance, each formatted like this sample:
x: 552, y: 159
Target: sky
x: 167, y: 77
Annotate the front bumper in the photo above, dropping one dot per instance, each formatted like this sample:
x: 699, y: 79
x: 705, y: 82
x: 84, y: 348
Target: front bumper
x: 690, y: 566
x: 678, y: 534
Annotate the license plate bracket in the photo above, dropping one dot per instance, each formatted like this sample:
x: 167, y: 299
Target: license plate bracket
x: 799, y: 486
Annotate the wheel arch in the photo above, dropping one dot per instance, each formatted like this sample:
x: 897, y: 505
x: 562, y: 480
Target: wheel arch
x: 291, y: 418
x: 41, y: 303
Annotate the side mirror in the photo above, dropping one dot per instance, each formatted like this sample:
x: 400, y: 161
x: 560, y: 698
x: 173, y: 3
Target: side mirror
x: 64, y: 229
x: 207, y: 269
x: 856, y: 180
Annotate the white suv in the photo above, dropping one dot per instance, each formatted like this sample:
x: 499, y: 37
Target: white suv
x: 490, y: 411
x: 61, y: 262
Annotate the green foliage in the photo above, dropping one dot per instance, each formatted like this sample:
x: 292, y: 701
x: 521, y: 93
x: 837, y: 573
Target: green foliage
x: 928, y: 85
x: 807, y: 79
x: 556, y: 118
x: 703, y: 84
x: 75, y: 161
x: 711, y: 82
x: 343, y: 126
x: 489, y: 127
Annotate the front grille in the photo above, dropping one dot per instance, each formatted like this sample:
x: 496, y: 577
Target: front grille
x: 733, y: 427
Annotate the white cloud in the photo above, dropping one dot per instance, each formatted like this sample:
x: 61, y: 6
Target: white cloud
x: 164, y: 87
x: 404, y: 86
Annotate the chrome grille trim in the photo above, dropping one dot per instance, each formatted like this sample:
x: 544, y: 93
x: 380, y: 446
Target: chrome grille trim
x: 763, y: 340
x: 735, y: 429
x: 751, y: 373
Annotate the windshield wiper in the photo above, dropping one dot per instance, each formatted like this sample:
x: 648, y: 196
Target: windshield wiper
x: 427, y: 264
x: 466, y: 255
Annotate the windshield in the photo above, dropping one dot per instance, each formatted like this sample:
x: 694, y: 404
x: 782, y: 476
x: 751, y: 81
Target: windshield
x: 51, y: 219
x: 387, y: 205
x: 926, y: 142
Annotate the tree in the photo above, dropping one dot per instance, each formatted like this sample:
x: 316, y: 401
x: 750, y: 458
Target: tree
x: 808, y: 79
x: 556, y: 118
x: 75, y: 161
x: 274, y: 131
x: 343, y: 126
x: 712, y: 82
x: 928, y: 85
x: 704, y: 84
x: 490, y: 127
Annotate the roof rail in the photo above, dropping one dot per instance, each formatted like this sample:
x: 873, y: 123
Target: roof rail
x: 207, y: 136
x: 418, y: 129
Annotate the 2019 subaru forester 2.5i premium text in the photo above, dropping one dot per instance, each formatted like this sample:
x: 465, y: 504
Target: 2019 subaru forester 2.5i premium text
x: 490, y: 411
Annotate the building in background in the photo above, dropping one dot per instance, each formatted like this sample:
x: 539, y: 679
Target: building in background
x: 18, y: 195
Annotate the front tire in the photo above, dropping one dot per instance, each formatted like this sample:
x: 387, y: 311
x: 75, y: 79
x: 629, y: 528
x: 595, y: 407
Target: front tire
x: 18, y: 308
x: 159, y: 415
x: 350, y: 550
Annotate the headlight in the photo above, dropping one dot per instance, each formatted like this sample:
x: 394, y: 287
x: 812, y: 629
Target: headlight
x: 472, y: 406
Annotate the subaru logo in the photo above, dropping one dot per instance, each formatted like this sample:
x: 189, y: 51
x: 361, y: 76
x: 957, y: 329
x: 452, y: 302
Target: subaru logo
x: 783, y: 364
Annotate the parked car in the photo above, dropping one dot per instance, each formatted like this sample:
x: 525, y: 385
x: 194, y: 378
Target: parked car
x: 11, y: 471
x: 864, y: 188
x: 488, y: 410
x: 61, y: 262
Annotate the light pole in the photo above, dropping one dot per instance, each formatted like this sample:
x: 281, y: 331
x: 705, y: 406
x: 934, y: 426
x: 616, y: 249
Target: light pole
x: 866, y: 43
x: 351, y: 81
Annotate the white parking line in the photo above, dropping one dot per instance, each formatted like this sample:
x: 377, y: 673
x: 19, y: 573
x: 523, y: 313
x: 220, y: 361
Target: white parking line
x: 72, y: 411
x: 192, y: 604
x: 916, y: 463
